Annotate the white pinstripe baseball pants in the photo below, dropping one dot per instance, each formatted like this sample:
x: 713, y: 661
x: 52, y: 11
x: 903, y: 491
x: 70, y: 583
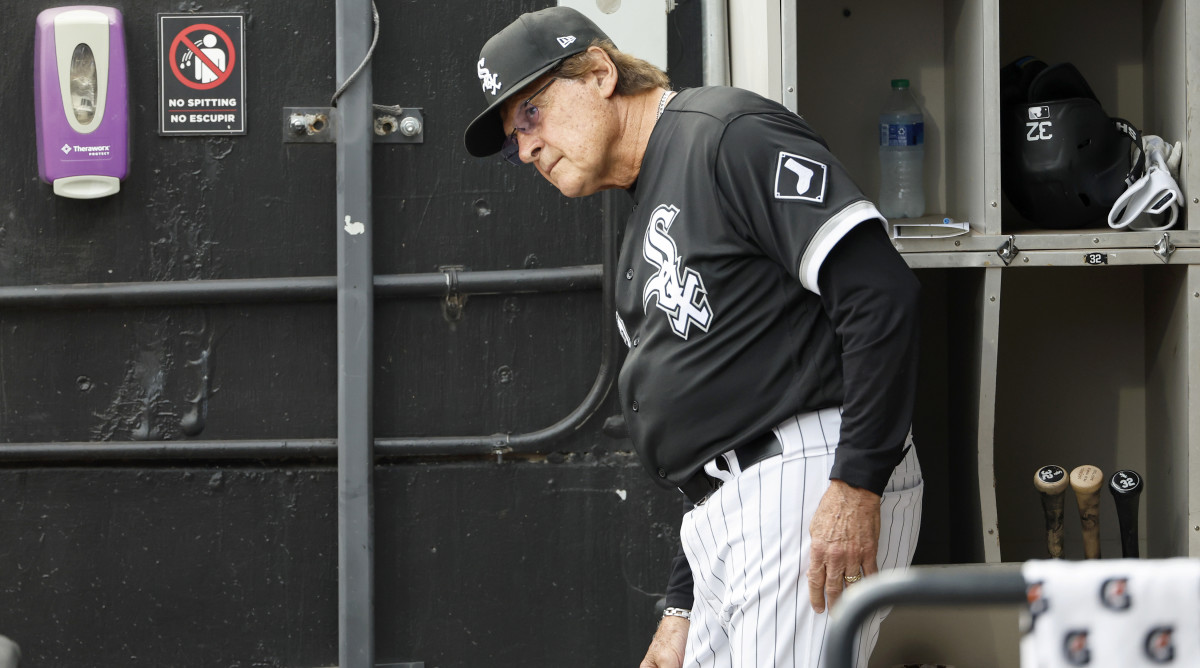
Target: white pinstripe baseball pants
x: 748, y: 547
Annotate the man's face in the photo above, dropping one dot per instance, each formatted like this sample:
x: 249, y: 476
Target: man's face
x: 564, y: 133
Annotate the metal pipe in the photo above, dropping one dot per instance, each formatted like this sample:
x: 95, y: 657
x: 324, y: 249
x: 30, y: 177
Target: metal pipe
x: 417, y: 446
x: 299, y: 289
x: 510, y: 281
x: 715, y: 22
x: 140, y: 451
x: 355, y: 327
x: 530, y: 442
x: 168, y: 293
x: 921, y: 585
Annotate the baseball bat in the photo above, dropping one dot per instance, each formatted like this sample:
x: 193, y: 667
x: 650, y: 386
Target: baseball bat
x: 1051, y: 483
x: 1086, y: 481
x: 1126, y: 488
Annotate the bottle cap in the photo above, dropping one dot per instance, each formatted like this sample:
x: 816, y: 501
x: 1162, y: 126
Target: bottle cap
x: 899, y: 83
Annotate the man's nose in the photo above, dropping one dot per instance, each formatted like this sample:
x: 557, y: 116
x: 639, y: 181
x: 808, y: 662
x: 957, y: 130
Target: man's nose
x: 530, y: 145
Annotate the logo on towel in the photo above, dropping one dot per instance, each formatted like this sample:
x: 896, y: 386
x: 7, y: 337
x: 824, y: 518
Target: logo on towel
x: 1114, y: 594
x: 1037, y: 602
x: 1160, y: 647
x: 1075, y: 648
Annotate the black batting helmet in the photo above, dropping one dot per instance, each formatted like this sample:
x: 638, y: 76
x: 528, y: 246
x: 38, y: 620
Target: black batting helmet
x: 1064, y: 162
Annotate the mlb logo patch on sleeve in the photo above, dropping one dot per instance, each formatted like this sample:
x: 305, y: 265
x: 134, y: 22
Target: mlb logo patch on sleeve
x: 798, y: 177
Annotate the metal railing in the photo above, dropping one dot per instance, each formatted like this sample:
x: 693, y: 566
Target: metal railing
x: 919, y: 585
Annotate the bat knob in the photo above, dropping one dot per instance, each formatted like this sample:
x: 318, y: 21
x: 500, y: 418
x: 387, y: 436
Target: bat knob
x: 1086, y: 479
x: 1051, y: 479
x: 1125, y: 483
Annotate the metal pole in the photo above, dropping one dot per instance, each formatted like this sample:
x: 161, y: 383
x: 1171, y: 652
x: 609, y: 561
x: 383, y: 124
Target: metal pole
x: 716, y: 42
x: 355, y: 324
x: 789, y: 67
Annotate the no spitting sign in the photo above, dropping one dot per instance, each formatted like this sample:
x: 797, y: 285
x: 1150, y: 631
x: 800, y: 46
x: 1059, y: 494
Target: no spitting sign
x: 201, y: 74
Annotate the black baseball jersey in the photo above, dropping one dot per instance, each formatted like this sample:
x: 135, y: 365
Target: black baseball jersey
x: 737, y: 206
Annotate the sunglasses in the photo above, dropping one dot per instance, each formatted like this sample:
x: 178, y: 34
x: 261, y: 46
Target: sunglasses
x: 510, y: 150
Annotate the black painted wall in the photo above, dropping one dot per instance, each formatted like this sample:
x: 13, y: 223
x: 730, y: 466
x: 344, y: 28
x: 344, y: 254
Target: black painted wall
x: 551, y: 560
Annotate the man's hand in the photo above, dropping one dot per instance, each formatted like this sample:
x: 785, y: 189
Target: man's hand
x: 670, y: 641
x: 845, y: 539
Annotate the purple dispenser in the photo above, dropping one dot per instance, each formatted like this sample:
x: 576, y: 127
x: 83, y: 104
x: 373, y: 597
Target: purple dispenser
x: 81, y: 99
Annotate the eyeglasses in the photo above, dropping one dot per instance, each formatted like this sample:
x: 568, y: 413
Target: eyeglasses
x: 510, y: 150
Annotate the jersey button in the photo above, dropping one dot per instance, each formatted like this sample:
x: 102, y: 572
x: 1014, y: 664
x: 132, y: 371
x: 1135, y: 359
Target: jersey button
x: 662, y: 473
x: 629, y: 274
x: 635, y: 407
x: 636, y: 340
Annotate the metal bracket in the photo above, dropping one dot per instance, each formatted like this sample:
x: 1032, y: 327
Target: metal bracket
x: 1008, y: 251
x: 318, y: 125
x: 452, y: 307
x: 1164, y: 248
x: 309, y: 125
x: 399, y: 125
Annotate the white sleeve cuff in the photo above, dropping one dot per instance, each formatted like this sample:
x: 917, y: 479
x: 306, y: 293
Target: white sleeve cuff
x: 827, y: 237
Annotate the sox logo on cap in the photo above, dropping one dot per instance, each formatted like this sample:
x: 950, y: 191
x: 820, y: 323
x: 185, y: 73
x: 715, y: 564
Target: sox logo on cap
x: 491, y: 82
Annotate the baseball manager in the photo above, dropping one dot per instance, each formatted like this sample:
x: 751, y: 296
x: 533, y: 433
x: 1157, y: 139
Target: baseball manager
x: 771, y: 331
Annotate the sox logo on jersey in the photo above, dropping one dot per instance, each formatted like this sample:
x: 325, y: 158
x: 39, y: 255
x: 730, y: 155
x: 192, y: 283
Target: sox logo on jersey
x: 678, y: 291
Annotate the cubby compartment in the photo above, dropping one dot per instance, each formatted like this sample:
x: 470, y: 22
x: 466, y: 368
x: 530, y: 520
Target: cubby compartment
x: 952, y: 410
x: 1092, y: 368
x: 1131, y: 53
x: 848, y: 53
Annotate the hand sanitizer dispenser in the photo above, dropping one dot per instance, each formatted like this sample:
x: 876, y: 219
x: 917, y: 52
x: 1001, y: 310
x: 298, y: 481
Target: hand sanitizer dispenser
x: 81, y: 100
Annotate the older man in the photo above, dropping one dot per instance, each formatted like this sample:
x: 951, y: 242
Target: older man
x: 771, y: 331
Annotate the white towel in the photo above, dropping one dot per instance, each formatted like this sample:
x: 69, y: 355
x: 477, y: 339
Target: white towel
x: 1111, y: 612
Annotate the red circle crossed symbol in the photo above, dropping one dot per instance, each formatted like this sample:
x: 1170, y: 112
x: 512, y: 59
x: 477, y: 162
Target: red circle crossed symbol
x: 222, y: 74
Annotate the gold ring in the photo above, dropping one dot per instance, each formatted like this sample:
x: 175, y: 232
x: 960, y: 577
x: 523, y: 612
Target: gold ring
x: 851, y: 579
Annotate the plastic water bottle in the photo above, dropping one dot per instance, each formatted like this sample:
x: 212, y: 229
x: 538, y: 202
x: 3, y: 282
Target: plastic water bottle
x: 901, y: 154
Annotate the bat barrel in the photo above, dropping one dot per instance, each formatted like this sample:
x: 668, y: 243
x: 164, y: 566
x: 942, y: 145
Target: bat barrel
x: 1086, y: 481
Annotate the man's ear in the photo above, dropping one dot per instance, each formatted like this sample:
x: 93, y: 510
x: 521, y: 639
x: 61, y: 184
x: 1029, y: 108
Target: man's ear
x: 603, y: 71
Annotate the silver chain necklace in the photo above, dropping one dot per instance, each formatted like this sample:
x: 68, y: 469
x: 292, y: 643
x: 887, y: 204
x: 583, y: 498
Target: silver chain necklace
x: 662, y: 104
